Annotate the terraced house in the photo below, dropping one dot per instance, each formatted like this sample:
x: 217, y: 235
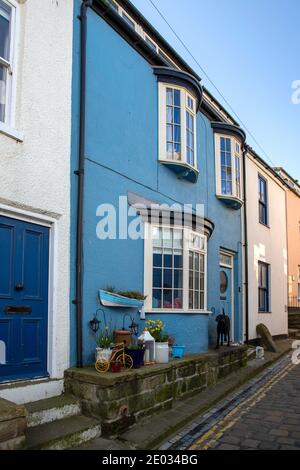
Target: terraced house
x: 153, y: 135
x: 35, y: 143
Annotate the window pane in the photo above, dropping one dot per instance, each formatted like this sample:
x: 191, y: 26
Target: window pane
x: 169, y: 115
x: 156, y: 298
x: 170, y: 96
x: 191, y: 280
x: 191, y: 300
x: 157, y: 260
x: 168, y: 260
x: 177, y: 299
x: 177, y: 137
x: 177, y: 115
x: 177, y: 259
x: 178, y: 279
x: 167, y: 299
x: 3, y: 75
x: 5, y: 14
x: 168, y: 278
x: 157, y: 278
x: 157, y: 236
x: 169, y: 133
x: 177, y: 97
x: 202, y: 301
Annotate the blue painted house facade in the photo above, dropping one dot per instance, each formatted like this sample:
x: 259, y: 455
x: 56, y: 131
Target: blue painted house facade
x: 147, y: 133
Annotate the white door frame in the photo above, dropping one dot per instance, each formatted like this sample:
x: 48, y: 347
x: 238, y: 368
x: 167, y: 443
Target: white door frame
x: 50, y: 222
x: 231, y: 266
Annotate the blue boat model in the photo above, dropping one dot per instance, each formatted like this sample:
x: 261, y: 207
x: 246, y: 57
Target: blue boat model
x: 110, y: 299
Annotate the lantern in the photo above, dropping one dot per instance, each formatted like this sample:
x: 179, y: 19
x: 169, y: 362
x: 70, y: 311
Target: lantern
x: 149, y: 343
x: 94, y: 324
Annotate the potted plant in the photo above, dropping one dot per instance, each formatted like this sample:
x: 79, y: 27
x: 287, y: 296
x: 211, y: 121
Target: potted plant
x: 104, y: 342
x: 156, y: 329
x: 136, y: 352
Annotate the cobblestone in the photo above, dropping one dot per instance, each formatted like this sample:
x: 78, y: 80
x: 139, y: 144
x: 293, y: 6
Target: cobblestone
x: 267, y: 418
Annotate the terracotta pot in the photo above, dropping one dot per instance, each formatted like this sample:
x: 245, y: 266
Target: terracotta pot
x: 123, y: 336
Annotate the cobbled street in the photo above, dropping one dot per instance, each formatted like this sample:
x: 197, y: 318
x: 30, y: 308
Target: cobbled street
x: 264, y: 414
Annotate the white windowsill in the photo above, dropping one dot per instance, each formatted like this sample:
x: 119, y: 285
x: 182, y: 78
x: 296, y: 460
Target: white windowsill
x: 11, y: 132
x: 176, y: 311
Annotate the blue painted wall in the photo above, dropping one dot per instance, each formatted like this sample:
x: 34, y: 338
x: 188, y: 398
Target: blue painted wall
x: 122, y: 156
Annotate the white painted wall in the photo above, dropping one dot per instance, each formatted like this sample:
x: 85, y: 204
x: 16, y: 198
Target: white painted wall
x: 267, y: 244
x: 35, y: 173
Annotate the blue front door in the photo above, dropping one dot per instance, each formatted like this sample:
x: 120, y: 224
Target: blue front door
x: 24, y: 266
x: 226, y: 292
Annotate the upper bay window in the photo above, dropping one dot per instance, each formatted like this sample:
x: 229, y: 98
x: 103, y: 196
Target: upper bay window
x: 229, y: 142
x: 228, y: 153
x: 179, y: 98
x: 177, y: 110
x: 175, y: 269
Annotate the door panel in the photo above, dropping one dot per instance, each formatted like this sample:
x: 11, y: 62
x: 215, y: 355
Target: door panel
x: 31, y: 340
x: 24, y: 251
x: 7, y: 237
x: 32, y: 266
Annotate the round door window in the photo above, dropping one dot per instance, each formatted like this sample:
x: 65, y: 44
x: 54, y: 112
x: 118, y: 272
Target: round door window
x: 223, y: 282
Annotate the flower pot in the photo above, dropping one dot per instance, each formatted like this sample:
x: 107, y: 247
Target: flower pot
x: 116, y: 366
x: 161, y: 353
x: 137, y: 356
x: 103, y: 354
x: 178, y: 351
x: 123, y: 336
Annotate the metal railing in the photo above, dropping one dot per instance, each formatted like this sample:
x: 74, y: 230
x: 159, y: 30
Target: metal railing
x: 294, y: 302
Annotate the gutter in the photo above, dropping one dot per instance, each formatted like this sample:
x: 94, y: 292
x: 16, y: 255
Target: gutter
x: 80, y: 189
x: 246, y: 246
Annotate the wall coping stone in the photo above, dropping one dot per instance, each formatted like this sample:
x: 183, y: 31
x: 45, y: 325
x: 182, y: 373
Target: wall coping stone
x: 10, y: 411
x: 90, y: 375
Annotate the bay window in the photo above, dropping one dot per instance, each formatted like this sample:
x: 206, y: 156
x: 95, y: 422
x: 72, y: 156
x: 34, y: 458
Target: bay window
x: 228, y: 167
x: 175, y: 269
x: 177, y: 116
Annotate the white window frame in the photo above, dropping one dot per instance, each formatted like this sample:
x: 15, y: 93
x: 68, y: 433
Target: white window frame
x: 8, y: 126
x: 148, y: 270
x: 234, y: 154
x: 162, y: 104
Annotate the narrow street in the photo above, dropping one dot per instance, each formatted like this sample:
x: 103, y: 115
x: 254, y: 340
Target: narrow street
x: 264, y: 414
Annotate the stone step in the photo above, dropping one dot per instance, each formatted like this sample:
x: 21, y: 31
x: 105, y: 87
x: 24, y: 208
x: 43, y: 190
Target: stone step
x: 52, y: 409
x: 294, y: 333
x: 63, y: 434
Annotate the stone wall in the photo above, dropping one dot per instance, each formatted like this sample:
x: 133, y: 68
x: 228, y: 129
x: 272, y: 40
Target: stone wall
x: 12, y: 425
x: 120, y: 400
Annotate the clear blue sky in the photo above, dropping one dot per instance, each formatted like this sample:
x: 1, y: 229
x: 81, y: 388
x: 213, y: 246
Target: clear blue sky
x: 251, y: 51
